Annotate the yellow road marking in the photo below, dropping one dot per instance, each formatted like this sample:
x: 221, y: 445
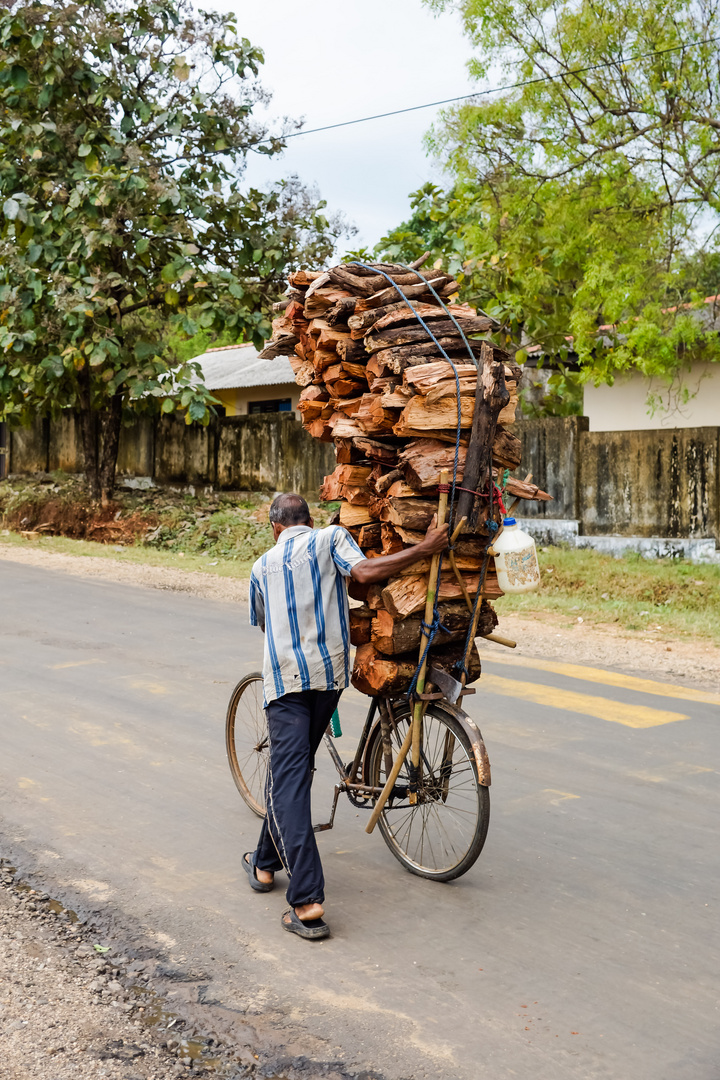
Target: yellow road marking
x: 150, y: 687
x: 609, y: 678
x: 635, y: 716
x: 560, y: 796
x: 75, y: 663
x: 26, y: 782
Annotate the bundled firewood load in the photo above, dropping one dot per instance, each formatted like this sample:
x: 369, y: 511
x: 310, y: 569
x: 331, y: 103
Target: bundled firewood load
x: 382, y: 389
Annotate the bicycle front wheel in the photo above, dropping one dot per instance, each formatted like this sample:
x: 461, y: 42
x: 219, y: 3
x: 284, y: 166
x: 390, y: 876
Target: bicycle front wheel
x: 248, y: 742
x: 442, y: 834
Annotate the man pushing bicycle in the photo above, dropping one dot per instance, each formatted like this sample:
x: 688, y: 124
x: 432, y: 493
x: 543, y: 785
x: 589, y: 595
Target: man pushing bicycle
x: 298, y: 597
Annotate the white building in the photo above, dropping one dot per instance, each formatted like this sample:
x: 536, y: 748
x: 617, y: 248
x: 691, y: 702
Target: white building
x: 636, y: 403
x: 244, y: 384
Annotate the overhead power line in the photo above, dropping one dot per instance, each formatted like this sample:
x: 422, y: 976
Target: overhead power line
x: 494, y: 90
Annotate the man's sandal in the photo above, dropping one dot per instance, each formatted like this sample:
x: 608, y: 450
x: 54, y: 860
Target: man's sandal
x: 250, y: 869
x: 312, y: 930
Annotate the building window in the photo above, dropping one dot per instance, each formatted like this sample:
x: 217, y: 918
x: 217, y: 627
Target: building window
x: 275, y: 405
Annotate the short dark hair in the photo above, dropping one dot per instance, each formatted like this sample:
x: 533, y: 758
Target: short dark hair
x: 289, y: 509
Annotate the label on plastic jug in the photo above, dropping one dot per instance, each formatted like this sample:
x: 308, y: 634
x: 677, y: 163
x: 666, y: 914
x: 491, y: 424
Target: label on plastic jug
x: 521, y: 566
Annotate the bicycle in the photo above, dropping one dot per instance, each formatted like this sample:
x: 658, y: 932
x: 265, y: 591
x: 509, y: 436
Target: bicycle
x: 437, y: 833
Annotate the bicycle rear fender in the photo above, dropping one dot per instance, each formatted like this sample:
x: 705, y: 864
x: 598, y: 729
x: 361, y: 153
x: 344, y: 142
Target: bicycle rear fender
x: 469, y: 727
x: 476, y: 741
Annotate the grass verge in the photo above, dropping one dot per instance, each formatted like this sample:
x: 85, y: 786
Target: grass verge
x: 661, y: 598
x: 223, y: 533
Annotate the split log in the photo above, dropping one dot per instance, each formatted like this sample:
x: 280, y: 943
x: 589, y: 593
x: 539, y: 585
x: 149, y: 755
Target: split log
x: 319, y: 429
x: 353, y: 515
x: 375, y: 674
x: 392, y: 336
x: 387, y: 480
x: 331, y: 338
x: 301, y: 279
x: 422, y: 415
x: 448, y: 656
x: 344, y: 427
x: 370, y: 535
x: 400, y: 490
x: 391, y: 541
x: 341, y: 311
x: 391, y: 637
x: 346, y: 453
x: 283, y: 345
x: 358, y: 371
x: 506, y: 449
x: 353, y: 352
x: 402, y: 356
x: 385, y: 453
x: 347, y: 406
x: 361, y: 619
x: 304, y: 371
x: 399, y: 312
x: 444, y: 286
x: 413, y: 514
x: 405, y: 594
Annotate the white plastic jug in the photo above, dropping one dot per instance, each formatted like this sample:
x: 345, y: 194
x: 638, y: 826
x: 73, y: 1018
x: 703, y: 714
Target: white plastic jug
x: 516, y: 559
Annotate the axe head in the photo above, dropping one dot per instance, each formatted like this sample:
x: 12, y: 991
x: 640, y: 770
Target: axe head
x: 451, y: 688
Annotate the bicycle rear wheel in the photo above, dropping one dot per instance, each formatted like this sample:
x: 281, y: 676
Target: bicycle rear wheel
x: 247, y: 741
x: 441, y: 836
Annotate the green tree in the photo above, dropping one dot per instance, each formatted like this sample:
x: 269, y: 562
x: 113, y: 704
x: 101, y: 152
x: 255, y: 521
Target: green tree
x: 591, y: 198
x: 124, y: 130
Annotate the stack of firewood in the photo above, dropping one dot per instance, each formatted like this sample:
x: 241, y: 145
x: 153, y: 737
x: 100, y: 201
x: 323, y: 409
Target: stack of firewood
x: 378, y: 387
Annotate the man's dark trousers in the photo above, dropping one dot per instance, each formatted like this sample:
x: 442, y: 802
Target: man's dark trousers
x: 296, y: 723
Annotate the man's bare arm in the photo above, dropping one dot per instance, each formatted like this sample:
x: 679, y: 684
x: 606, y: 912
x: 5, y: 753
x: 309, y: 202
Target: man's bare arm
x: 384, y: 566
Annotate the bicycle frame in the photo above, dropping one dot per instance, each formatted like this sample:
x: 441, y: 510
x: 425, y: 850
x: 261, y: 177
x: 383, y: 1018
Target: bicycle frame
x: 349, y: 782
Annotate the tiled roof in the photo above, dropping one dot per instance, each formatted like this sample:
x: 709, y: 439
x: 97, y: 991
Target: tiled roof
x: 231, y: 367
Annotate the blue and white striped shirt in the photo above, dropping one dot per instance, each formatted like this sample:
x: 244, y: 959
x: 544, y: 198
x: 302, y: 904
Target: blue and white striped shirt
x: 298, y: 596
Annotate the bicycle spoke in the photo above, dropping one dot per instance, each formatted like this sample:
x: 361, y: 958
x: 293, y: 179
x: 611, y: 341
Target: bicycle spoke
x: 435, y: 834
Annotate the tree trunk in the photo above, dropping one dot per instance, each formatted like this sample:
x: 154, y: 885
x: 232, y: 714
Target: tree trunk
x: 110, y: 428
x: 89, y: 429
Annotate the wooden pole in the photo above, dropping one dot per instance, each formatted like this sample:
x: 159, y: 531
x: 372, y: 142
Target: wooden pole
x: 500, y: 639
x: 429, y: 607
x: 414, y: 730
x: 390, y: 782
x: 491, y: 396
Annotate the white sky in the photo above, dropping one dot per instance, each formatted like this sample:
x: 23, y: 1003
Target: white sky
x: 328, y: 61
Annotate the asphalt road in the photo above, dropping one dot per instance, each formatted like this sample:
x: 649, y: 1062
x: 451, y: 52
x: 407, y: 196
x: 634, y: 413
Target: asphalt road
x: 583, y: 944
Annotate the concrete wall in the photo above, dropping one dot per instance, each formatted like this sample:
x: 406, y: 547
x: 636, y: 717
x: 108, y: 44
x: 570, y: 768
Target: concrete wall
x: 265, y: 452
x: 624, y: 483
x: 638, y: 483
x: 550, y: 452
x: 624, y: 405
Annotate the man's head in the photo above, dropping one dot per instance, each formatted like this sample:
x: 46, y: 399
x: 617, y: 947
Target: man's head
x: 288, y: 510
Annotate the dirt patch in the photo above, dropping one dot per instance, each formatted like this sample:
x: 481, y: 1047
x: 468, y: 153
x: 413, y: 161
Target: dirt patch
x: 75, y: 1005
x: 80, y: 521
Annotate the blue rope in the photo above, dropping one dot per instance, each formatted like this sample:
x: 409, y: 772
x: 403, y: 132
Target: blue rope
x: 460, y: 666
x: 432, y: 628
x: 428, y: 331
x: 436, y: 613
